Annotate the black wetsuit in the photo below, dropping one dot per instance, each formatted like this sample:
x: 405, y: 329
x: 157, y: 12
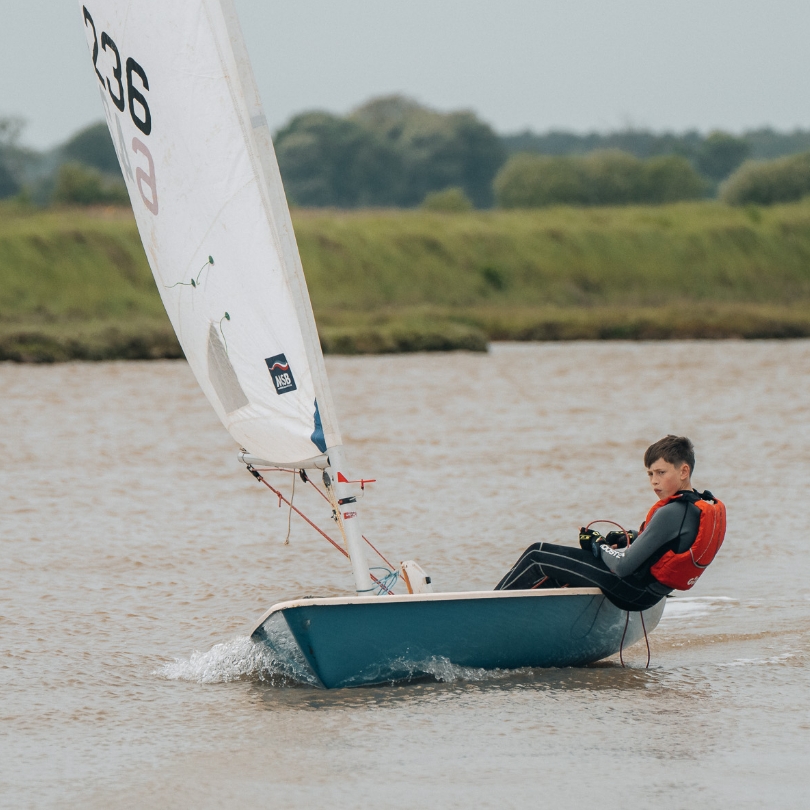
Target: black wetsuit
x: 623, y: 574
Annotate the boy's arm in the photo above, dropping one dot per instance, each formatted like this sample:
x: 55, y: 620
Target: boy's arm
x: 667, y: 524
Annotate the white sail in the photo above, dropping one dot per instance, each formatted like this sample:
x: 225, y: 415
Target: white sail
x: 194, y: 146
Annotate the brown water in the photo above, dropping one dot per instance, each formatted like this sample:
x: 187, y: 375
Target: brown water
x: 136, y: 552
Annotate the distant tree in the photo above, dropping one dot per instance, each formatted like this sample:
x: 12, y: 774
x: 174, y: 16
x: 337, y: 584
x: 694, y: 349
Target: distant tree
x: 451, y: 199
x: 329, y: 161
x: 438, y: 150
x: 77, y: 184
x: 641, y: 143
x: 391, y: 151
x: 767, y: 144
x: 93, y: 146
x: 613, y: 178
x: 766, y: 182
x: 534, y: 181
x: 600, y: 178
x: 8, y: 185
x: 10, y: 129
x: 720, y: 154
x: 671, y: 178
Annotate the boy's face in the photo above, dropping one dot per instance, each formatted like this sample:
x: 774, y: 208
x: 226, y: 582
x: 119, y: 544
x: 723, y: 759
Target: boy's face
x: 667, y: 479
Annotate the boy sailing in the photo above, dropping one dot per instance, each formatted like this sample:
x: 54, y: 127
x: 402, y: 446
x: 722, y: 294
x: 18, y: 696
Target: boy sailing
x: 680, y: 537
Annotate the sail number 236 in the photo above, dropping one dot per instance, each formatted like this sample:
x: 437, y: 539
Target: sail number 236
x: 136, y: 85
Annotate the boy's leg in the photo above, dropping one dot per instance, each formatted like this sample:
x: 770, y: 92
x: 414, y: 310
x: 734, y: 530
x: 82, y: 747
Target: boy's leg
x: 561, y: 565
x: 564, y: 565
x: 525, y: 573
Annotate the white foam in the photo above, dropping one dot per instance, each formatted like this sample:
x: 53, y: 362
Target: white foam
x: 444, y: 671
x: 241, y: 658
x: 681, y: 607
x: 230, y: 661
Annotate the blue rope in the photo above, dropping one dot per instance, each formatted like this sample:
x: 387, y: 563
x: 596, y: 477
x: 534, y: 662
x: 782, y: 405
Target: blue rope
x: 387, y: 582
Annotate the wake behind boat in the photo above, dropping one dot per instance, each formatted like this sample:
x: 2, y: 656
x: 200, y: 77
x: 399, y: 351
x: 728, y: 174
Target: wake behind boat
x: 196, y: 153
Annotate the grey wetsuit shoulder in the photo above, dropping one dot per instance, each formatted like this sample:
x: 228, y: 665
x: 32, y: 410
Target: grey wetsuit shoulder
x: 674, y: 525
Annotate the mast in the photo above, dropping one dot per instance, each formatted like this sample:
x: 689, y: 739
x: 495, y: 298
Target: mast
x: 349, y: 520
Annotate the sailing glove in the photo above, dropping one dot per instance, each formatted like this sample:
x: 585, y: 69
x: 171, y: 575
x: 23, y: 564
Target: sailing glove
x: 619, y: 539
x: 590, y: 540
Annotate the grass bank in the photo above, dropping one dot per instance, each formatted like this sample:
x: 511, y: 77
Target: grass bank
x: 75, y: 284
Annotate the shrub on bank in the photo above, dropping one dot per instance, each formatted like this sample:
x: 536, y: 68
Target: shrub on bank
x: 600, y: 178
x: 83, y: 185
x: 8, y: 185
x: 450, y: 199
x: 671, y: 178
x: 764, y: 182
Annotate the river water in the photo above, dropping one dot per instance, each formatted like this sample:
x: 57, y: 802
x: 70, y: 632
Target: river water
x: 136, y: 552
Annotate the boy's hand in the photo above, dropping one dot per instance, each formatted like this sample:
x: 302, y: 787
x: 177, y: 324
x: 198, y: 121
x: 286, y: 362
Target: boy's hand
x: 618, y: 539
x: 590, y: 540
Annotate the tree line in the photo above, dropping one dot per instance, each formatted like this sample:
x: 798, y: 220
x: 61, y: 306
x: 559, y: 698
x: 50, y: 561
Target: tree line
x: 395, y: 152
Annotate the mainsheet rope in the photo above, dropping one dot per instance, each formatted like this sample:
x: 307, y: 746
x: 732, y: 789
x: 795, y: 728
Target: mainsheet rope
x: 627, y: 619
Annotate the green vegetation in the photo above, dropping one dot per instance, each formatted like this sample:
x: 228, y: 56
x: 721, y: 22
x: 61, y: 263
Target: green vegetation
x: 720, y: 154
x: 84, y: 170
x: 599, y: 178
x: 82, y: 185
x: 10, y: 155
x: 92, y: 146
x: 715, y: 155
x: 451, y: 199
x: 389, y: 152
x: 394, y: 152
x: 766, y: 182
x: 75, y: 283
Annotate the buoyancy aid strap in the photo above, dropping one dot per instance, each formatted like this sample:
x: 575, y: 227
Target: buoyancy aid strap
x: 685, y: 495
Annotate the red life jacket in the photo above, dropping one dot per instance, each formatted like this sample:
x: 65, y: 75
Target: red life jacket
x: 682, y: 571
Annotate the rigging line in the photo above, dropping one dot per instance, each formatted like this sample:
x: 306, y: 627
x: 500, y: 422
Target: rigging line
x: 317, y: 489
x: 383, y: 586
x: 317, y: 528
x: 301, y: 514
x: 289, y: 514
x: 336, y: 513
x: 378, y: 553
x: 376, y: 550
x: 644, y: 628
x: 621, y: 644
x: 321, y: 493
x: 388, y: 581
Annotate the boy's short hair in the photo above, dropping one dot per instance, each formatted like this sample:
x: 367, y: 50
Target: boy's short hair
x: 673, y: 449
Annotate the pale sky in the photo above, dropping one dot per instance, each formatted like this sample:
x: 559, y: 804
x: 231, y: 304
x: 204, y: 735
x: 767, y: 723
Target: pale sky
x: 570, y: 64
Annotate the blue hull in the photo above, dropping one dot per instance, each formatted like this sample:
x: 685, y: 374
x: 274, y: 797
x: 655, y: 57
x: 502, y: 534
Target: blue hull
x: 366, y: 640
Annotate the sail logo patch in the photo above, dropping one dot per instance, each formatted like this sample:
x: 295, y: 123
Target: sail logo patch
x: 281, y: 373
